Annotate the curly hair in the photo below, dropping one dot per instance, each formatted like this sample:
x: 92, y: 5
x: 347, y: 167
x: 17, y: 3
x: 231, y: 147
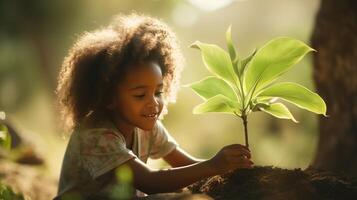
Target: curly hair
x: 96, y: 62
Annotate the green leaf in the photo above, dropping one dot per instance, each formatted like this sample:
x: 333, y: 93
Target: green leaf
x: 212, y: 86
x: 244, y: 62
x: 7, y: 193
x: 265, y: 99
x: 232, y: 51
x: 279, y: 110
x: 217, y: 61
x: 259, y: 106
x: 124, y: 174
x: 297, y: 95
x: 5, y: 138
x: 272, y: 60
x: 262, y: 102
x: 217, y: 103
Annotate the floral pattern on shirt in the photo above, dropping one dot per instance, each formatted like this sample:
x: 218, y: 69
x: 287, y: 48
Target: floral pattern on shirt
x: 92, y: 152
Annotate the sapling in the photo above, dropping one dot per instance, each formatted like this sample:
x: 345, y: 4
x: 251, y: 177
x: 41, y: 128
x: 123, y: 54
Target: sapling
x: 241, y: 86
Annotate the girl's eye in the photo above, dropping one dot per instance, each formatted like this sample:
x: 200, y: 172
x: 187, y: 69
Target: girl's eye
x: 140, y: 96
x: 159, y: 94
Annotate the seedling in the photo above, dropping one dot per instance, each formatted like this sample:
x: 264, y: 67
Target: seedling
x: 241, y: 86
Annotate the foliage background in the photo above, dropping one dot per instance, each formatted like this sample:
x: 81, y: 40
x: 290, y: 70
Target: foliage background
x: 36, y: 35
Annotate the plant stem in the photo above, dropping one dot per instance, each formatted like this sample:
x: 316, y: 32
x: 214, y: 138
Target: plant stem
x: 245, y: 123
x: 243, y: 111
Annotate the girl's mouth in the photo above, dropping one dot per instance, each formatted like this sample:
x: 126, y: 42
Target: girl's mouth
x: 151, y: 116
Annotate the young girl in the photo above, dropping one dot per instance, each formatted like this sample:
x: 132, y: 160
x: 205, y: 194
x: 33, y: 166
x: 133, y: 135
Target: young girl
x: 112, y: 89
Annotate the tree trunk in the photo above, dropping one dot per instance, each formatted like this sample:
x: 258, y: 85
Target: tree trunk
x: 335, y: 74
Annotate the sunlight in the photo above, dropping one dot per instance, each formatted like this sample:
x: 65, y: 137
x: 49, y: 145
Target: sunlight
x: 211, y: 5
x: 184, y: 10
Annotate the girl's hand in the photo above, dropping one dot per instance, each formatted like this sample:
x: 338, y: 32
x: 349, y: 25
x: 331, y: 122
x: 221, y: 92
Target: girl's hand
x: 231, y: 157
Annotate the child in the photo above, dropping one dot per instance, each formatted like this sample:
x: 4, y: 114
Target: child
x: 112, y: 89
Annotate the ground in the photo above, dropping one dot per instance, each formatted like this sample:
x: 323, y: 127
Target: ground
x: 276, y: 183
x: 268, y: 183
x: 29, y: 180
x: 264, y: 183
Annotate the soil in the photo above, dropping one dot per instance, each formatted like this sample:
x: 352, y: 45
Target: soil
x: 29, y: 180
x: 263, y: 183
x: 268, y: 183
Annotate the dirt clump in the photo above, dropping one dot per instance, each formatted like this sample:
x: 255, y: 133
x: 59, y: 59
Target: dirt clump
x: 268, y: 183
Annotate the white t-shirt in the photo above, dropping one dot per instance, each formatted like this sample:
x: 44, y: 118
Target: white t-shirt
x: 92, y: 152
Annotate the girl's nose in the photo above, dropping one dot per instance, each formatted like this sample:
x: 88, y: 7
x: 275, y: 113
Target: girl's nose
x: 154, y: 102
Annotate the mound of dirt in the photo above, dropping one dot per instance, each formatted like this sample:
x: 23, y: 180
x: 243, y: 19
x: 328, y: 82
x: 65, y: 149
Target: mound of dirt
x: 270, y: 183
x: 30, y: 180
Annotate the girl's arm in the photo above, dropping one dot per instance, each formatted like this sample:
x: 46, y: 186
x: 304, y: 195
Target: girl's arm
x: 178, y: 158
x: 155, y: 181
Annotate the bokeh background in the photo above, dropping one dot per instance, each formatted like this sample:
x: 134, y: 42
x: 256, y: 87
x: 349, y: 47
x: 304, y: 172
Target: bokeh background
x: 36, y: 35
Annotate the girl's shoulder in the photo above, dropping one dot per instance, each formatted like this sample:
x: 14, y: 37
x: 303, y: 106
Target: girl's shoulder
x: 96, y: 129
x: 103, y: 139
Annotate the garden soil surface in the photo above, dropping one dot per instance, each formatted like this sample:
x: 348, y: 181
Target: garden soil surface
x: 268, y: 183
x: 263, y: 183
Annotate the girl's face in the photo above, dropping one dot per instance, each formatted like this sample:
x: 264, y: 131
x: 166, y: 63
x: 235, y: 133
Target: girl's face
x: 139, y: 99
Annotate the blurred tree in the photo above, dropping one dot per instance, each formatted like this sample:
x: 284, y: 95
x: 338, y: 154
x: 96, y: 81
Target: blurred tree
x: 335, y: 74
x: 32, y: 33
x: 28, y: 29
x: 32, y: 21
